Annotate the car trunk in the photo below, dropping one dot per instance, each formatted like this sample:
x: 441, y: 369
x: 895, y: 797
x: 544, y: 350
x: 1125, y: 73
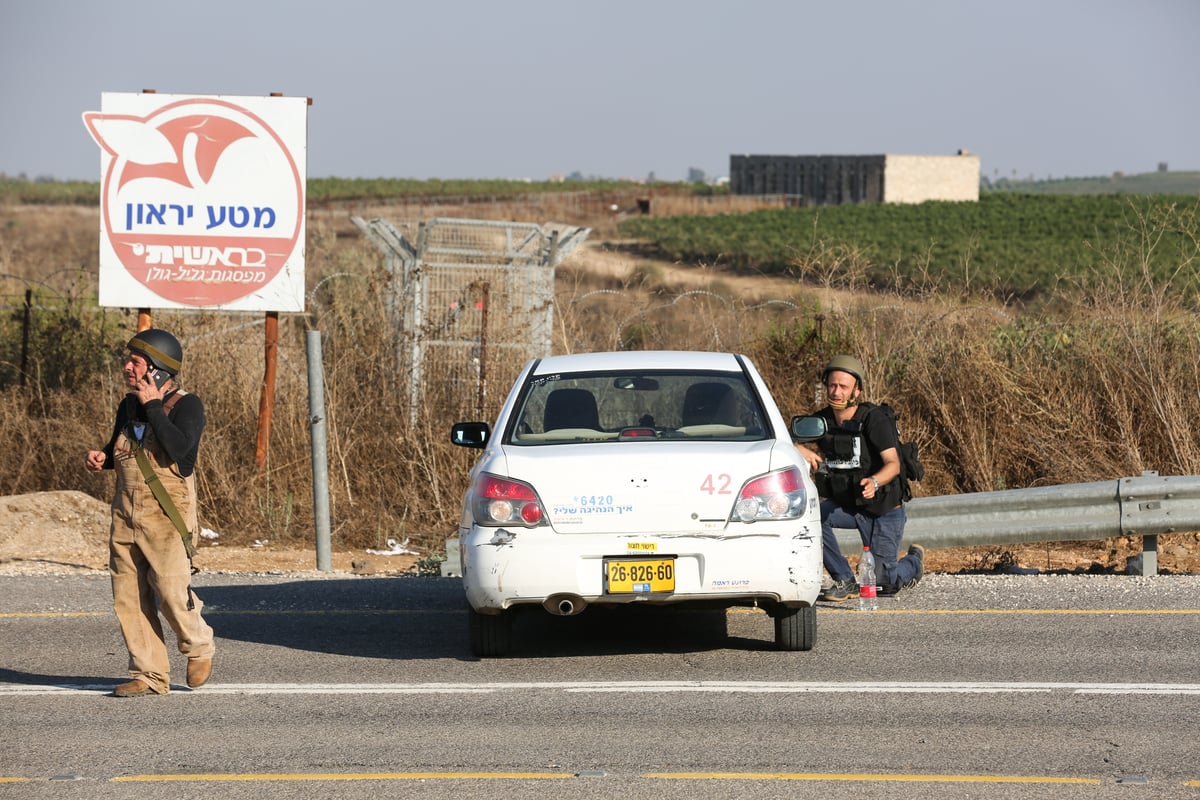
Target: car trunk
x: 639, y: 487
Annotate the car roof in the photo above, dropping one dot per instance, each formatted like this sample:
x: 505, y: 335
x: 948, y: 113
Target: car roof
x: 685, y: 360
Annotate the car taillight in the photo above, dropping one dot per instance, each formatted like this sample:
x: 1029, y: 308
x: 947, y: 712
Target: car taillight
x: 779, y: 495
x: 500, y: 501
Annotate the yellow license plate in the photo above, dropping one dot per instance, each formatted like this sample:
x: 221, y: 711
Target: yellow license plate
x: 639, y: 576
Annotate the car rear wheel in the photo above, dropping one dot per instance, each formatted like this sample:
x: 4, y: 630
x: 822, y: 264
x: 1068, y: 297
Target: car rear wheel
x: 490, y: 634
x: 796, y: 628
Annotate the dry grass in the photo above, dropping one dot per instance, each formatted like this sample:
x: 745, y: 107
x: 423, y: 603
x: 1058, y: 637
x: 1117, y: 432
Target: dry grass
x: 1108, y: 387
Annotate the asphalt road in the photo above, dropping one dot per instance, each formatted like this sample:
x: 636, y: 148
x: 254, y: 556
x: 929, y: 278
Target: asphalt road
x: 968, y: 686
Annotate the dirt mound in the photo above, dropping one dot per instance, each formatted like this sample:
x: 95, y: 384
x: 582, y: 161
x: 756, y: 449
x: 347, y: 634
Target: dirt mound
x: 57, y: 532
x: 69, y: 529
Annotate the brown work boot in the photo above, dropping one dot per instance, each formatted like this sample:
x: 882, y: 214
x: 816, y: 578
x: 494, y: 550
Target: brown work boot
x: 198, y: 672
x: 134, y: 688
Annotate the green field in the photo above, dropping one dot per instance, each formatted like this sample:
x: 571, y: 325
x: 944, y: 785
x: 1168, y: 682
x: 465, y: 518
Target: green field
x: 1006, y: 244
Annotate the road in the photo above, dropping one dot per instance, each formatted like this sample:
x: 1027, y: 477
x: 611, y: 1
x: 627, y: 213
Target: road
x: 968, y: 686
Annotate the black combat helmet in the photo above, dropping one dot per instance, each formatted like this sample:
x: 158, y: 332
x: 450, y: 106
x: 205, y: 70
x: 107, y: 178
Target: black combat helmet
x: 160, y: 348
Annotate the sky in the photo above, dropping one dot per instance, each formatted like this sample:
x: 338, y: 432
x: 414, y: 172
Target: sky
x: 529, y: 89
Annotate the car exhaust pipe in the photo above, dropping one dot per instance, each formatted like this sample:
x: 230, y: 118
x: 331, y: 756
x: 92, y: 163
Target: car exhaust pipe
x: 564, y: 605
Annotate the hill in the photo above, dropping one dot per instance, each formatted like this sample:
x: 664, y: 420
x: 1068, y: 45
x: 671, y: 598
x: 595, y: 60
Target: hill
x: 1162, y: 182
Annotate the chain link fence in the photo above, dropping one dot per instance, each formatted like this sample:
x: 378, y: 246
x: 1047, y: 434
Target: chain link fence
x: 470, y: 302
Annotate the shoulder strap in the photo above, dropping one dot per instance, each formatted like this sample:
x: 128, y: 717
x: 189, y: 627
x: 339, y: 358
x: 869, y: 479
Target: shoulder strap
x: 883, y: 408
x: 170, y: 402
x: 160, y: 492
x: 865, y: 408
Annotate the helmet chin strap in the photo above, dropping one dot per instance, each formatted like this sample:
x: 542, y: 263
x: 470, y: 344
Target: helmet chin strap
x: 839, y: 405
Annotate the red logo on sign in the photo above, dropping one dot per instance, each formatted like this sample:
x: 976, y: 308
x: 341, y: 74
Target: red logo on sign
x: 202, y: 201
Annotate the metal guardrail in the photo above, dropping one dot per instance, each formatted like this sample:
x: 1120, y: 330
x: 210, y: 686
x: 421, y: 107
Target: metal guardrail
x: 1143, y: 506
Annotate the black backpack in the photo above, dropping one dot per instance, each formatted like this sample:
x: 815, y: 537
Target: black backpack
x: 911, y: 468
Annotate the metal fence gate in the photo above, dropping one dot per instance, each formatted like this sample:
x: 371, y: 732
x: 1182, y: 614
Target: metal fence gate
x: 470, y: 300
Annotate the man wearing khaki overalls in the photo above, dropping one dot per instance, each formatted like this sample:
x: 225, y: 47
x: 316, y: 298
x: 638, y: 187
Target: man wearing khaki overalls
x: 149, y: 557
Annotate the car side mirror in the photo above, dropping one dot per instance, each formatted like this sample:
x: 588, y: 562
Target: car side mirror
x: 470, y: 434
x: 808, y: 429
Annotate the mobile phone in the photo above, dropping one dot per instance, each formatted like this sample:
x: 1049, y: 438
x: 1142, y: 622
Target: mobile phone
x: 158, y: 376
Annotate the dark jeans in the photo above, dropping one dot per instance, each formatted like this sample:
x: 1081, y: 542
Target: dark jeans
x: 882, y: 534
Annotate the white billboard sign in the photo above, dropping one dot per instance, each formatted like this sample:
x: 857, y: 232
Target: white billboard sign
x: 202, y: 201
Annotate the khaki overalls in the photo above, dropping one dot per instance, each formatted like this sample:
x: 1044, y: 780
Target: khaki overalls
x: 150, y: 569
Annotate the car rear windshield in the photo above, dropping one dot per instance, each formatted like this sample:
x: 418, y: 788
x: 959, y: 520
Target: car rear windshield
x: 637, y: 406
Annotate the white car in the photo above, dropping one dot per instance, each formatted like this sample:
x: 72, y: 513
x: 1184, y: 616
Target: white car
x: 661, y: 478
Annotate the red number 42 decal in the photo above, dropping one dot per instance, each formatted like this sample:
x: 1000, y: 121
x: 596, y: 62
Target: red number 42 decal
x: 716, y: 484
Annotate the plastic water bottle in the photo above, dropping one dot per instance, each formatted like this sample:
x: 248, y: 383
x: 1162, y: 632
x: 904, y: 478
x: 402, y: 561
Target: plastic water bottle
x: 867, y: 599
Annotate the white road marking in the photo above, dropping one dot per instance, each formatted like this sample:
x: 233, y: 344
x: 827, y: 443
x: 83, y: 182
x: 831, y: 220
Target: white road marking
x: 654, y: 687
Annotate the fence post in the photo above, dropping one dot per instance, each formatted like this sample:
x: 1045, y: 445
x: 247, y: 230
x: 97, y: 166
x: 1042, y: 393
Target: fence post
x: 266, y: 402
x: 1150, y: 554
x: 320, y: 457
x: 486, y: 294
x: 25, y: 334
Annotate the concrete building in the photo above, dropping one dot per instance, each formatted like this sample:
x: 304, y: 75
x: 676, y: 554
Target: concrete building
x: 831, y: 180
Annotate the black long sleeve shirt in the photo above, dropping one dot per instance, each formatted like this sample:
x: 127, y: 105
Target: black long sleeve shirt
x: 178, y: 433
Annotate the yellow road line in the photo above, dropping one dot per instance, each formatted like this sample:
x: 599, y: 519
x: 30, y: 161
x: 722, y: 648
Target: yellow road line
x: 215, y: 611
x: 346, y: 776
x: 36, y: 614
x: 822, y: 776
x: 1104, y: 611
x: 742, y: 776
x: 508, y: 776
x: 1027, y: 611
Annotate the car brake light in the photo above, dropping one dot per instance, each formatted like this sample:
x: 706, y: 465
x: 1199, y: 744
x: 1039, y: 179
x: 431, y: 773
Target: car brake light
x: 779, y: 495
x: 495, y: 488
x: 500, y: 501
x: 786, y: 481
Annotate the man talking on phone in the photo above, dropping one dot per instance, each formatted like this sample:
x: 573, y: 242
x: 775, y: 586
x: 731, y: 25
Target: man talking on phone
x: 153, y: 450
